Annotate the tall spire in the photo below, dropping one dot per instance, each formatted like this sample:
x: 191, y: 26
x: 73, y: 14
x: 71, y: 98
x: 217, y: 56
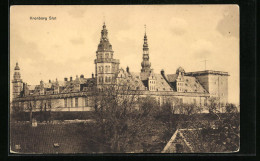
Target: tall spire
x: 145, y: 63
x: 145, y: 29
x: 145, y: 46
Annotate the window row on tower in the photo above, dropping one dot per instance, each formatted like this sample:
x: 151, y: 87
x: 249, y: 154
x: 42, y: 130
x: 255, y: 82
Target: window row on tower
x: 107, y: 69
x: 105, y: 79
x: 107, y: 56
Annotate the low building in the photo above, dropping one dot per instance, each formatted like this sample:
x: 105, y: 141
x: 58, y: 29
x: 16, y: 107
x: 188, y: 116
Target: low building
x: 194, y: 141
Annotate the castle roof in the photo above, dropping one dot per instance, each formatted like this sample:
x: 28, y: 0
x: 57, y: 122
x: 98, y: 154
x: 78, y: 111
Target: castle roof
x: 161, y: 84
x: 196, y: 141
x: 191, y: 84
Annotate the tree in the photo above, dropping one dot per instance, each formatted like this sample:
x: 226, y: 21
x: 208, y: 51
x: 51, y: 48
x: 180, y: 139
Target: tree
x: 221, y: 134
x: 125, y: 121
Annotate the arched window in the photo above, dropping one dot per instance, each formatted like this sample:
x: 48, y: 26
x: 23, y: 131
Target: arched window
x: 113, y: 68
x: 107, y: 55
x: 108, y: 68
x: 106, y: 79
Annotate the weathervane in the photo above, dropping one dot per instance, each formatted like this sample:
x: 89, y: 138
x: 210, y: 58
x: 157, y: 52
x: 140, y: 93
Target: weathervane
x: 205, y: 63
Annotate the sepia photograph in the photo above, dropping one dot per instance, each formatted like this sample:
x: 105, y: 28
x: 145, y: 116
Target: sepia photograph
x: 97, y: 79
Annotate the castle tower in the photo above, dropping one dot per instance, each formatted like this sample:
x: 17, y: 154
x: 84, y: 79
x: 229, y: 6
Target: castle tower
x: 105, y: 65
x: 146, y: 65
x: 17, y: 82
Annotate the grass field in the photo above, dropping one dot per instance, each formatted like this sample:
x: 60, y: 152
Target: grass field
x: 41, y: 139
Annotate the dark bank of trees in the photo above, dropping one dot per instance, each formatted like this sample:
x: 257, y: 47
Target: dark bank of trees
x: 128, y: 122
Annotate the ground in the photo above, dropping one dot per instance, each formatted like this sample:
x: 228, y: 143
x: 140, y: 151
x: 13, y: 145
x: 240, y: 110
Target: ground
x: 41, y: 139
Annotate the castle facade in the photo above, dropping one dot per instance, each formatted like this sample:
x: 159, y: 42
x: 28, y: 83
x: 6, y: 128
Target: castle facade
x: 77, y: 94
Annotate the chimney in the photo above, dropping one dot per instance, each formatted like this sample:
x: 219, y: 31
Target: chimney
x: 70, y: 78
x: 65, y: 79
x: 127, y: 69
x: 162, y: 72
x: 92, y: 75
x: 81, y: 76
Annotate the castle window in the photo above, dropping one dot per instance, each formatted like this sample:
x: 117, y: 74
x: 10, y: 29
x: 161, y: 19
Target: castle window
x: 71, y: 102
x: 108, y: 68
x: 65, y: 102
x: 76, y: 102
x: 86, y: 101
x: 107, y: 55
x: 109, y: 79
x: 137, y: 88
x: 113, y: 68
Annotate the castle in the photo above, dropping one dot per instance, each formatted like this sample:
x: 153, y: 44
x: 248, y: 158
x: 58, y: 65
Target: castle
x: 76, y: 95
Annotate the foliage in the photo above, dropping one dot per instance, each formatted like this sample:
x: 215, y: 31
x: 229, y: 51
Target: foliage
x: 125, y: 122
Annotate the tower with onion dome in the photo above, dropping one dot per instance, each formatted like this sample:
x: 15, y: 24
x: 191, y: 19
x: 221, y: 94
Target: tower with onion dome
x: 105, y: 65
x: 17, y: 82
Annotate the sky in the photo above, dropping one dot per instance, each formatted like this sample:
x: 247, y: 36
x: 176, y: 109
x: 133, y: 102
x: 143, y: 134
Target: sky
x: 178, y: 35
